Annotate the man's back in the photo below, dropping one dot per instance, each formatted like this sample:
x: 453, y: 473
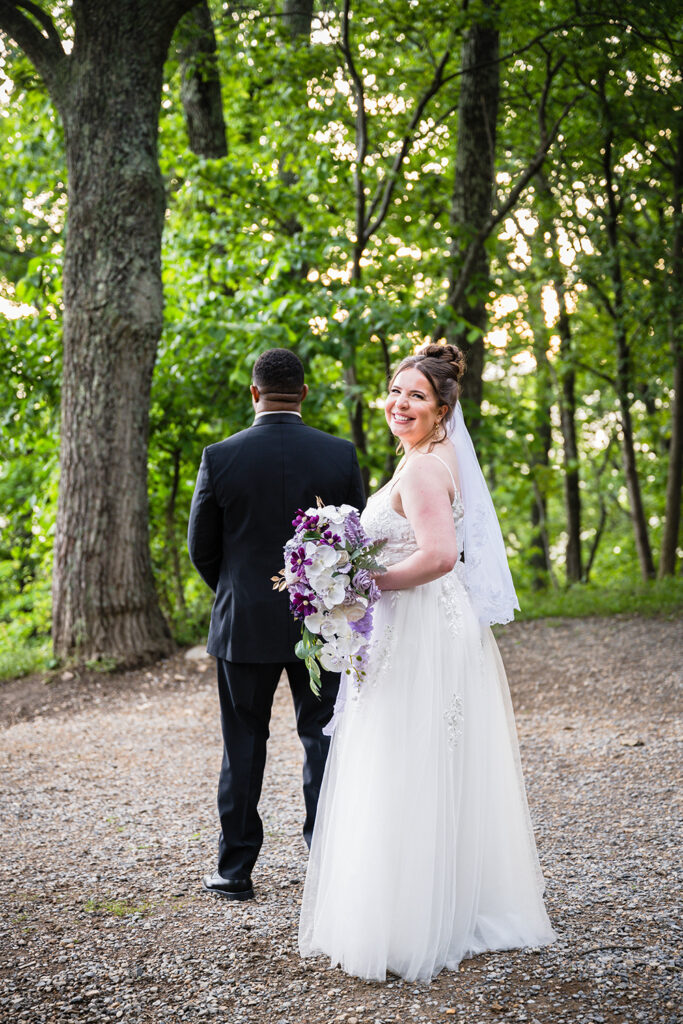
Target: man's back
x: 248, y: 491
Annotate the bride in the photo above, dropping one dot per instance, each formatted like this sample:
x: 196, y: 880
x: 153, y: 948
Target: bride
x: 423, y: 851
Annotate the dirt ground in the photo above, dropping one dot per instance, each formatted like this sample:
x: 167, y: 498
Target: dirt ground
x: 108, y: 823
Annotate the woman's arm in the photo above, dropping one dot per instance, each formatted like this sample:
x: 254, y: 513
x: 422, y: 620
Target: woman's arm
x: 424, y: 494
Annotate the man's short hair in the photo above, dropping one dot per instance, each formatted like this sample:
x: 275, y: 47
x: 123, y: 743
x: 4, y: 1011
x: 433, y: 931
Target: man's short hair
x: 279, y: 371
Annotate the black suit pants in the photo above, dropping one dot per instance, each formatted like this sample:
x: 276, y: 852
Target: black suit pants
x: 246, y: 694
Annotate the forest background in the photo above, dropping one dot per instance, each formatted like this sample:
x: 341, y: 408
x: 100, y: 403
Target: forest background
x: 348, y: 179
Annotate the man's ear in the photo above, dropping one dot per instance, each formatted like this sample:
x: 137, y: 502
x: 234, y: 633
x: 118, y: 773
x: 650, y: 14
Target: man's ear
x: 304, y: 391
x: 255, y: 393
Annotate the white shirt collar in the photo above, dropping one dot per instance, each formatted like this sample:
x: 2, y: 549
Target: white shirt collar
x: 277, y: 412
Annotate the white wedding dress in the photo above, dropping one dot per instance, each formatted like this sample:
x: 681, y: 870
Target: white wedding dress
x: 423, y: 851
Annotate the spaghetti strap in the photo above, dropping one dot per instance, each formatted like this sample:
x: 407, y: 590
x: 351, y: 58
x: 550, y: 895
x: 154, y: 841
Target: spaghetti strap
x: 444, y: 463
x: 392, y: 483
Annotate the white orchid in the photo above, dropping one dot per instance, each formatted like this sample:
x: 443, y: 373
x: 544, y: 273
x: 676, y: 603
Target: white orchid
x: 331, y: 660
x: 314, y: 622
x: 322, y: 556
x: 335, y: 623
x: 335, y: 515
x: 332, y: 590
x: 335, y: 654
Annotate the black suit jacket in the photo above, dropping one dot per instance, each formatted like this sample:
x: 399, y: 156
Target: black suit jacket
x: 248, y: 491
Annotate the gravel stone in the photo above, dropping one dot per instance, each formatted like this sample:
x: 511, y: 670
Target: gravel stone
x: 108, y: 808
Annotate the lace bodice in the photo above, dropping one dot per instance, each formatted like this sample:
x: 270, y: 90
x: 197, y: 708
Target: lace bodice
x: 382, y: 522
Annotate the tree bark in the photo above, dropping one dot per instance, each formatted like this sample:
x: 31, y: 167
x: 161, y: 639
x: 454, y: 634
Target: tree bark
x: 674, y: 478
x: 472, y: 199
x: 108, y: 92
x: 200, y: 84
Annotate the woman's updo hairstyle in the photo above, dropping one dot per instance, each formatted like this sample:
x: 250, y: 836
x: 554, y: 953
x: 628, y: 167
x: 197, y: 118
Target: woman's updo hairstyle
x: 444, y: 368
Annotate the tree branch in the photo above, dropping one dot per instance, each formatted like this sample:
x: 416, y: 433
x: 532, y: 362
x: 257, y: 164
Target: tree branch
x: 40, y: 42
x: 604, y: 298
x: 596, y: 373
x: 200, y: 85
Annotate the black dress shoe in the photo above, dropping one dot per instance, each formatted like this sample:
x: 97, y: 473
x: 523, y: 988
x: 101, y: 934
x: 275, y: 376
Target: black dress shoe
x: 229, y: 888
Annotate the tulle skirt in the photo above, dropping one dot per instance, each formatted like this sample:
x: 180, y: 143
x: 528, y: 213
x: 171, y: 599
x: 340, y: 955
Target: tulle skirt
x: 423, y: 851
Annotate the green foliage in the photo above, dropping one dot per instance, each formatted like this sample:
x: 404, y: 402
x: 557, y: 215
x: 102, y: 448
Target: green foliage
x: 17, y: 661
x: 34, y: 197
x: 630, y: 596
x: 260, y: 249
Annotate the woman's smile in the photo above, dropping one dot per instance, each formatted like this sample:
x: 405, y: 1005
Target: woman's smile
x: 411, y: 409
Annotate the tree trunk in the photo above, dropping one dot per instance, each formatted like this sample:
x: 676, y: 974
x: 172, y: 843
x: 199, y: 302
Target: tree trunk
x: 297, y: 15
x: 356, y: 416
x: 472, y: 199
x: 674, y: 478
x: 104, y: 601
x: 200, y: 85
x: 539, y: 557
x: 623, y: 376
x: 567, y: 398
x: 667, y: 565
x: 572, y: 491
x: 623, y: 379
x: 566, y: 388
x: 171, y: 536
x: 599, y: 530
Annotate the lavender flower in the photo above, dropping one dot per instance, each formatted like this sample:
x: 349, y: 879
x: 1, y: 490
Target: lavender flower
x: 364, y: 625
x: 353, y: 530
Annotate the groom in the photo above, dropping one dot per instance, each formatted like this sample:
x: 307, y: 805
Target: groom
x: 248, y: 491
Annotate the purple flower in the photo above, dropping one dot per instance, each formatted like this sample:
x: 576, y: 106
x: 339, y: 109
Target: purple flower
x: 363, y: 581
x: 329, y: 538
x: 297, y: 560
x: 353, y: 529
x: 301, y: 604
x: 364, y: 625
x: 304, y: 522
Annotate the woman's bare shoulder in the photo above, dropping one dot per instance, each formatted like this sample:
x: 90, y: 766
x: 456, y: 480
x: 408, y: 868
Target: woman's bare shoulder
x: 421, y: 468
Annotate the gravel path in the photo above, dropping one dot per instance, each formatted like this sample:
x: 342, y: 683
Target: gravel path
x: 108, y: 824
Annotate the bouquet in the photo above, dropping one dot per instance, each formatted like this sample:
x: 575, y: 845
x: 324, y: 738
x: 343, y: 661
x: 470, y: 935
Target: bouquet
x: 328, y: 570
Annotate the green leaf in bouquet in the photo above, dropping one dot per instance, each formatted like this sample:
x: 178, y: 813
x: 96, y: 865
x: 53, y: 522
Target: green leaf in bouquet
x: 314, y: 676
